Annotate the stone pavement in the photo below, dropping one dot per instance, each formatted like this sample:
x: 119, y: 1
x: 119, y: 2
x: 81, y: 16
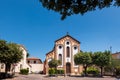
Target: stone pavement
x: 43, y: 77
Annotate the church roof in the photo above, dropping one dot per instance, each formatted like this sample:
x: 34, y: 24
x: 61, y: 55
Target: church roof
x: 67, y: 36
x: 50, y: 52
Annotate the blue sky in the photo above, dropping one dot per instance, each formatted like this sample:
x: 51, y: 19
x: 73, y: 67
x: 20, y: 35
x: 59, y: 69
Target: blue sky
x: 26, y: 22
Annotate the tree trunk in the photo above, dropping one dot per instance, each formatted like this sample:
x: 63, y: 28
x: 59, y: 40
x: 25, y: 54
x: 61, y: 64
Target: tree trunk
x: 7, y: 68
x: 0, y: 67
x: 13, y: 69
x: 85, y: 68
x: 101, y: 71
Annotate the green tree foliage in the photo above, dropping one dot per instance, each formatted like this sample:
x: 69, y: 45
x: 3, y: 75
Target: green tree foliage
x: 117, y: 70
x: 52, y: 71
x: 83, y: 58
x: 115, y: 63
x: 92, y: 70
x: 27, y: 55
x: 70, y: 7
x: 113, y: 67
x: 54, y: 63
x: 10, y: 53
x: 53, y: 67
x: 101, y: 59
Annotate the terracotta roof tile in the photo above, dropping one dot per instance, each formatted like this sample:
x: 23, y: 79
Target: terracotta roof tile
x: 33, y: 58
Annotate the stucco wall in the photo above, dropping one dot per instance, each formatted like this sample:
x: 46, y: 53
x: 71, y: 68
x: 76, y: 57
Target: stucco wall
x: 22, y: 64
x: 36, y: 68
x: 65, y: 43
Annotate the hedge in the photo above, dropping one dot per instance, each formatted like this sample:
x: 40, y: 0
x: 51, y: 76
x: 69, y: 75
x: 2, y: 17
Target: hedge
x: 53, y: 71
x: 24, y: 71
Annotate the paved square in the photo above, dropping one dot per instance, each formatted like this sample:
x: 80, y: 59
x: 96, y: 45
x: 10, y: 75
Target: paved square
x: 43, y: 77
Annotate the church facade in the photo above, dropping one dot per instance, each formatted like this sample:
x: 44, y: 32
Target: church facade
x: 64, y: 50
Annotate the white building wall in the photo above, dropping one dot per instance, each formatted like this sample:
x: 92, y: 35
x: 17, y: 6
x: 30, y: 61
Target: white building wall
x: 22, y: 64
x: 36, y: 68
x: 60, y: 51
x: 75, y: 51
x: 67, y: 59
x: 2, y: 67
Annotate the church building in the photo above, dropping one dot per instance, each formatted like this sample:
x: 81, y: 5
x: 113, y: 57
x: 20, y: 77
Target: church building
x: 64, y: 50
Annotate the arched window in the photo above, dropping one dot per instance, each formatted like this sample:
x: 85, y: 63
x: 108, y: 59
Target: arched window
x: 60, y: 58
x: 68, y: 51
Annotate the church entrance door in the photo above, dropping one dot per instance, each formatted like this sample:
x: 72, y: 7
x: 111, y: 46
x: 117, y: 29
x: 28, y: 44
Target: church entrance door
x: 68, y: 68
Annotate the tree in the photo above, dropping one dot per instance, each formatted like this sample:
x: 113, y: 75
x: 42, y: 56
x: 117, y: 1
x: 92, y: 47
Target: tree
x: 101, y: 59
x: 83, y: 58
x: 115, y: 66
x: 27, y: 55
x: 54, y: 63
x: 70, y: 7
x: 10, y: 53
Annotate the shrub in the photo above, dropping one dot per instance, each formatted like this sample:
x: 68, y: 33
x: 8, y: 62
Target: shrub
x: 24, y: 71
x: 60, y: 71
x: 117, y: 72
x: 52, y: 71
x: 92, y: 70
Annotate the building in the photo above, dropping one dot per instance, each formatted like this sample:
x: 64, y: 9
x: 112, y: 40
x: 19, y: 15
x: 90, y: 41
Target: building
x: 22, y: 64
x: 36, y: 65
x: 33, y: 64
x: 116, y: 55
x: 64, y: 50
x: 17, y: 66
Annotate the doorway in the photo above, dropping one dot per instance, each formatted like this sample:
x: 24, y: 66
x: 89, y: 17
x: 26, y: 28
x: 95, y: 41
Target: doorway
x: 68, y: 68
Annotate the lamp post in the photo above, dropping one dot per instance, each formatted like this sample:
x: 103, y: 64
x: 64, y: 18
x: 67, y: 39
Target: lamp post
x: 110, y: 49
